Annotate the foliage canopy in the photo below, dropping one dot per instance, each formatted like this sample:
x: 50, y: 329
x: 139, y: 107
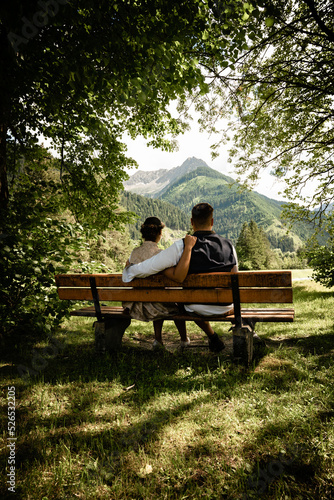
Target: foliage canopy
x: 280, y: 95
x: 83, y: 73
x: 85, y: 77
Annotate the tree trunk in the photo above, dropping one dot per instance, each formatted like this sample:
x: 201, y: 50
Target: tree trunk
x: 3, y: 168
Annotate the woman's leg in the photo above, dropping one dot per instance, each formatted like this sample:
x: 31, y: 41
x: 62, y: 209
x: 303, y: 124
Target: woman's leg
x: 157, y: 325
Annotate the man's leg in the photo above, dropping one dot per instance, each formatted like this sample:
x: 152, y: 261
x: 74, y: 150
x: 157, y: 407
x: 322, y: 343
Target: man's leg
x: 205, y: 326
x: 215, y: 344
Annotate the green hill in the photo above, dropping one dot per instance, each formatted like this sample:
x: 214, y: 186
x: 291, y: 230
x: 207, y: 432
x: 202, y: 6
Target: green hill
x: 232, y: 207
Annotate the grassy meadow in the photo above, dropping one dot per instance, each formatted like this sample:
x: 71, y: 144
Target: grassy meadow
x: 176, y: 425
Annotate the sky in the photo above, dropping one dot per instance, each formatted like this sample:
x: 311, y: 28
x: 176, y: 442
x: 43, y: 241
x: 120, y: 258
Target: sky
x: 197, y: 144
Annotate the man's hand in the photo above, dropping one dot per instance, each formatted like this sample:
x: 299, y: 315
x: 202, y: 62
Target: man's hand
x: 189, y: 241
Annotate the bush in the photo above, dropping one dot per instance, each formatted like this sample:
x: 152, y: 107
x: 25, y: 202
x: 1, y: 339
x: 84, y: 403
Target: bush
x: 322, y: 261
x: 36, y: 244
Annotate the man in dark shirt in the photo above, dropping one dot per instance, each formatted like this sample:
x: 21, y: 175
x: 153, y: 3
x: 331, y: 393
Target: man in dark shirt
x: 211, y: 253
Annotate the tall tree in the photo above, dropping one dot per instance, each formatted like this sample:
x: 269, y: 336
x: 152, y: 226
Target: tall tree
x: 279, y: 94
x: 253, y: 248
x: 82, y: 73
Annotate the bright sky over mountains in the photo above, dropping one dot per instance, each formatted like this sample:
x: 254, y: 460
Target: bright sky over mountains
x: 197, y: 144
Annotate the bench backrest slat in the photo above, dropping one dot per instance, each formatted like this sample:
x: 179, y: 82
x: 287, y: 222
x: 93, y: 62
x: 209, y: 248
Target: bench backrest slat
x: 213, y: 288
x: 261, y: 279
x: 218, y: 295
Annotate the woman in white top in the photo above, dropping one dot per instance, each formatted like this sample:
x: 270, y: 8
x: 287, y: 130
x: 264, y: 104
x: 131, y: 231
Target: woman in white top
x: 151, y: 232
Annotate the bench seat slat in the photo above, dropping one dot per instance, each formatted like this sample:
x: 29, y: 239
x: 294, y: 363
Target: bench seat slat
x: 209, y: 280
x: 211, y: 296
x: 266, y: 315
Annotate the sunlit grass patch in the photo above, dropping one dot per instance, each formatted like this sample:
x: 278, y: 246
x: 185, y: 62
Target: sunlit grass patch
x: 302, y: 274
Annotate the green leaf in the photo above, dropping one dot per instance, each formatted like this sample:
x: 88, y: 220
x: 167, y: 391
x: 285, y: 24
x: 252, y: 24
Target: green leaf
x: 142, y: 97
x: 270, y: 22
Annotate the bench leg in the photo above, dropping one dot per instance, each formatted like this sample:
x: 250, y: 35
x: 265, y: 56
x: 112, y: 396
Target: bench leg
x: 243, y: 343
x: 109, y: 334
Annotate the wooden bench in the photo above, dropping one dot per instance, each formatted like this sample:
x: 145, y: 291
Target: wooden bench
x: 244, y: 287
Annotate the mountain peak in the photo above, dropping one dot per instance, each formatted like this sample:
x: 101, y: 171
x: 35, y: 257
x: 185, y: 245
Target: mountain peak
x: 153, y: 182
x: 193, y: 161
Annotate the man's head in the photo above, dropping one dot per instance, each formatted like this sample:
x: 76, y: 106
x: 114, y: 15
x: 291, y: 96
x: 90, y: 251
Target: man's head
x: 202, y: 217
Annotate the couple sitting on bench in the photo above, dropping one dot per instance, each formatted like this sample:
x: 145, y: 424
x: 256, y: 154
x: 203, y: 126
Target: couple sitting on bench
x: 203, y: 252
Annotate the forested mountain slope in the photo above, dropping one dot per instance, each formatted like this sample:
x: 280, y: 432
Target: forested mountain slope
x: 232, y: 206
x: 172, y: 216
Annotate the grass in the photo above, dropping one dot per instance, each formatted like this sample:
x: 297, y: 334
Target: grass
x: 189, y: 425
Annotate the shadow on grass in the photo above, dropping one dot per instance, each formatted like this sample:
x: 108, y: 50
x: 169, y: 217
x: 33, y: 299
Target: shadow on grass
x: 142, y: 376
x: 297, y: 467
x: 320, y: 344
x: 302, y: 428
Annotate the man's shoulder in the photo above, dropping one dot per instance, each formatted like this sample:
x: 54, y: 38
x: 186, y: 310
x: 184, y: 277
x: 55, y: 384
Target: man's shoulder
x: 216, y: 236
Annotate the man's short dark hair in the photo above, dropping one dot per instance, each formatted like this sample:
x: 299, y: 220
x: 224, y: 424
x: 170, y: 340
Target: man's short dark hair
x: 202, y: 213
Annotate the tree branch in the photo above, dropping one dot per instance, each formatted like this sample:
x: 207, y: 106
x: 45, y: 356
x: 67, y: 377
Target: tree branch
x: 318, y: 20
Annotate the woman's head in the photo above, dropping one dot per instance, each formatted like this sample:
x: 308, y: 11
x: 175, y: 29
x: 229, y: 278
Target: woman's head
x: 151, y: 228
